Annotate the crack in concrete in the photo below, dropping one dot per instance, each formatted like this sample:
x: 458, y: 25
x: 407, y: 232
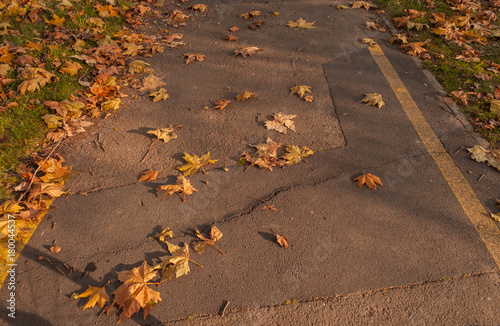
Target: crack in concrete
x: 256, y: 204
x: 341, y: 295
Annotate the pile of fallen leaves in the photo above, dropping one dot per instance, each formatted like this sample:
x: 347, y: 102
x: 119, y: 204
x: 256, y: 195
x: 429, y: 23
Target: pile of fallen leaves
x: 80, y: 44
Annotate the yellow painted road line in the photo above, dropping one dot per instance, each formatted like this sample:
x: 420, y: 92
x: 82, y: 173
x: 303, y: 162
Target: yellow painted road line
x: 471, y: 205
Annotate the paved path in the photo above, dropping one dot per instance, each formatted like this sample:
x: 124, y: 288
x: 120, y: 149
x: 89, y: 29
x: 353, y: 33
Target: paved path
x: 407, y: 253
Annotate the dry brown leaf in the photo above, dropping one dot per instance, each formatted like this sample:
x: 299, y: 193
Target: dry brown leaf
x: 415, y: 48
x: 134, y: 293
x: 215, y: 235
x: 362, y: 4
x: 165, y: 134
x: 200, y: 7
x: 265, y: 156
x: 149, y: 175
x: 175, y: 265
x: 300, y: 23
x: 281, y: 122
x: 190, y: 57
x: 250, y: 14
x: 70, y: 68
x: 281, y: 240
x: 221, y: 104
x: 300, y: 90
x: 245, y: 96
x: 160, y: 95
x: 234, y: 29
x: 480, y: 154
x: 163, y: 234
x: 151, y: 82
x: 369, y: 180
x: 182, y: 186
x: 257, y: 24
x: 231, y: 38
x: 250, y: 50
x: 373, y: 99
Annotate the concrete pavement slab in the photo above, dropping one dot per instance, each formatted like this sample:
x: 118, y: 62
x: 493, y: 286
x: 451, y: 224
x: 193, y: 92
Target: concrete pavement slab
x: 344, y: 239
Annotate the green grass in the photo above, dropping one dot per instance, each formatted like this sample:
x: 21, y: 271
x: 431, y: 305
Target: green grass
x: 454, y: 75
x: 22, y: 130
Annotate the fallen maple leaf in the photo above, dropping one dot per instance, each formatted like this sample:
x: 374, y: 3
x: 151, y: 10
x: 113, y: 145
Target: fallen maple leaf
x: 296, y: 154
x: 163, y: 234
x: 55, y: 250
x: 300, y: 90
x: 373, y: 99
x: 137, y: 66
x: 281, y: 122
x: 97, y: 295
x: 215, y: 235
x: 368, y: 41
x: 300, y: 23
x: 151, y: 82
x: 234, y: 29
x: 183, y: 186
x: 221, y: 104
x: 245, y: 96
x: 194, y: 163
x: 149, y: 175
x: 231, y: 38
x: 56, y: 20
x: 281, y: 240
x: 265, y: 156
x: 400, y: 38
x: 309, y: 98
x: 480, y: 154
x: 369, y: 180
x: 362, y: 4
x: 165, y: 134
x: 175, y: 265
x: 495, y: 107
x: 113, y: 104
x: 70, y: 68
x: 159, y: 95
x: 134, y: 293
x: 190, y: 57
x: 247, y: 51
x: 52, y: 189
x: 415, y: 48
x: 200, y: 7
x: 250, y: 14
x: 257, y: 24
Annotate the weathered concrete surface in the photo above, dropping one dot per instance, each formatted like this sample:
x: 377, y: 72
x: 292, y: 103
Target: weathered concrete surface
x: 345, y: 240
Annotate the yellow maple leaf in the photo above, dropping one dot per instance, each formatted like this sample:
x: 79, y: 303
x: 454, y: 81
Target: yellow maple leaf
x: 281, y: 122
x: 159, y: 95
x: 182, y: 186
x: 194, y: 163
x: 300, y: 90
x: 175, y: 265
x: 200, y: 7
x: 113, y: 104
x: 137, y: 66
x: 251, y: 14
x: 362, y: 4
x: 215, y: 235
x: 10, y: 207
x: 245, y: 96
x: 70, y: 68
x: 300, y: 23
x: 97, y: 295
x: 163, y: 234
x: 374, y: 99
x: 56, y: 20
x: 165, y: 134
x: 296, y: 154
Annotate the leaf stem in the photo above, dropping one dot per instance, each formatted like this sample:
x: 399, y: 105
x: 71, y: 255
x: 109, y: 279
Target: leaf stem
x: 218, y: 249
x: 194, y: 262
